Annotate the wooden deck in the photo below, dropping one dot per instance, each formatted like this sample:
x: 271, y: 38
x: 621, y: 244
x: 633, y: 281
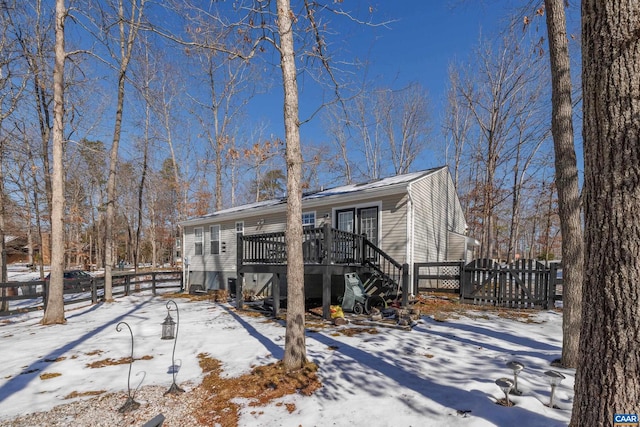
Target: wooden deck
x: 326, y: 251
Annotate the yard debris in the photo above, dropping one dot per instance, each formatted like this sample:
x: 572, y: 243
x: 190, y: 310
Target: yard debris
x: 218, y: 395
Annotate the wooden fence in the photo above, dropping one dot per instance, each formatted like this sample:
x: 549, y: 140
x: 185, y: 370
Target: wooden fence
x: 18, y: 297
x: 521, y: 284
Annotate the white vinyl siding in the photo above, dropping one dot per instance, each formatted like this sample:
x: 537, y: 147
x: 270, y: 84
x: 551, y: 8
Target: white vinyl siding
x: 393, y: 227
x: 436, y: 212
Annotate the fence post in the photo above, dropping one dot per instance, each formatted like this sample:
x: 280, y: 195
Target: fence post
x: 153, y: 284
x: 502, y: 287
x: 463, y: 281
x: 551, y: 285
x: 94, y: 291
x: 45, y: 294
x: 405, y: 284
x: 127, y: 285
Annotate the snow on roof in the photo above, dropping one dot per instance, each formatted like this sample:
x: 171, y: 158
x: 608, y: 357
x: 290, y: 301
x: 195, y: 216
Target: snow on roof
x: 256, y: 205
x: 399, y: 181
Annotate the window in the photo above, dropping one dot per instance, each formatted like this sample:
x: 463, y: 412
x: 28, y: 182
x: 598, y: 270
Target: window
x: 308, y: 220
x: 240, y: 227
x: 198, y: 239
x: 215, y: 239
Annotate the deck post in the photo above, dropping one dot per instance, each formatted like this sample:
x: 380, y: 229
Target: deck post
x: 240, y: 276
x: 326, y: 293
x: 405, y: 284
x: 275, y: 291
x: 326, y: 274
x: 239, y: 298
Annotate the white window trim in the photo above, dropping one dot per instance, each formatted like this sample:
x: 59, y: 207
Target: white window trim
x: 315, y: 219
x: 357, y: 206
x: 211, y: 241
x: 195, y: 241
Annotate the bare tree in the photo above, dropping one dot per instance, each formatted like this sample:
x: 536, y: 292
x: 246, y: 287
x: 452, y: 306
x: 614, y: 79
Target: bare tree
x: 261, y: 158
x: 226, y: 80
x: 369, y: 133
x: 566, y: 181
x: 295, y: 347
x: 337, y: 129
x: 11, y: 89
x: 54, y: 311
x: 128, y: 27
x: 456, y: 125
x: 404, y: 117
x: 530, y: 132
x: 606, y: 377
x: 494, y: 95
x: 31, y: 30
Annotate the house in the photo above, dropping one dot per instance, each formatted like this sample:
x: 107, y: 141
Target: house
x: 415, y: 217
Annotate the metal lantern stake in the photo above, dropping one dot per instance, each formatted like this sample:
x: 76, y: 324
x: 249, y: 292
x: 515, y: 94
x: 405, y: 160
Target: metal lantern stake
x: 516, y: 367
x: 170, y: 332
x: 554, y: 378
x: 505, y: 385
x: 130, y: 404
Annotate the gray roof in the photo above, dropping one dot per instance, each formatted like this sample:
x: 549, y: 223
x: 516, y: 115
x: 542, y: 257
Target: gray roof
x: 397, y: 183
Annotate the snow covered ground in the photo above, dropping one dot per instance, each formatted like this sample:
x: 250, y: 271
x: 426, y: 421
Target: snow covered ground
x: 441, y: 373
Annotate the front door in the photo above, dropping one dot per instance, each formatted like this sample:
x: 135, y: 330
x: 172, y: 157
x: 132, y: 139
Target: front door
x: 345, y: 220
x: 359, y: 221
x: 368, y: 223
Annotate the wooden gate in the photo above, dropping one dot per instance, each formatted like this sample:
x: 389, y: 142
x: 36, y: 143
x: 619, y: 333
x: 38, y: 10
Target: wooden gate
x: 521, y: 284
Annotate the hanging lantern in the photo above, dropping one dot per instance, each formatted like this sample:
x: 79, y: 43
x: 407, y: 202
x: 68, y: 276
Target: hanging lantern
x: 168, y: 328
x: 170, y: 332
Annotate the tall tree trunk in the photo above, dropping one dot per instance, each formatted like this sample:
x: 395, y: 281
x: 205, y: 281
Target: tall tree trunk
x: 295, y: 352
x: 54, y: 312
x: 607, y: 380
x: 3, y: 250
x: 36, y: 208
x: 566, y: 181
x: 111, y: 194
x: 126, y: 49
x: 145, y: 155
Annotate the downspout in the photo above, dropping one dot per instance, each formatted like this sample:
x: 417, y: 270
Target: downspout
x: 410, y: 236
x: 185, y: 261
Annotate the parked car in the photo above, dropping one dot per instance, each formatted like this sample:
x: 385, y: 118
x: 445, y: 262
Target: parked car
x: 75, y: 279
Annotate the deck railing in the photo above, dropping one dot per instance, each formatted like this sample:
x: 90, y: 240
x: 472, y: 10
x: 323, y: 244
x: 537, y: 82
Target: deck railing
x: 320, y: 245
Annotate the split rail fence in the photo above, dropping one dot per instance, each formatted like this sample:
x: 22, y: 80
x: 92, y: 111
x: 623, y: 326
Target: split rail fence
x: 30, y: 296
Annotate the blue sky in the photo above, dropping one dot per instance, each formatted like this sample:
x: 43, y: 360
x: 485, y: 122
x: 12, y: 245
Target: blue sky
x: 418, y: 44
x: 420, y: 41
